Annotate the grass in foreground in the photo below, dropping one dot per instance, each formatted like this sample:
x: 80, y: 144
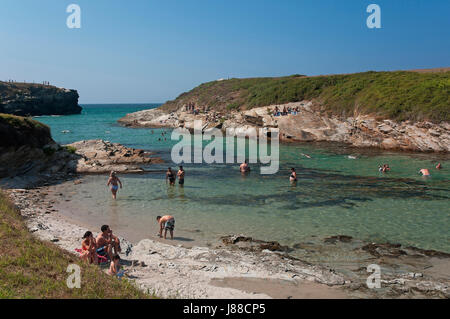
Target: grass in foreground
x: 30, y: 268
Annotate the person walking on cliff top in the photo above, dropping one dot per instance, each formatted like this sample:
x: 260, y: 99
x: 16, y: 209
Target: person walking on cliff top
x: 114, y: 182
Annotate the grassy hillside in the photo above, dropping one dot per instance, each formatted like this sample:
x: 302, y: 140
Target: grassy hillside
x: 30, y: 268
x: 16, y: 131
x: 398, y: 95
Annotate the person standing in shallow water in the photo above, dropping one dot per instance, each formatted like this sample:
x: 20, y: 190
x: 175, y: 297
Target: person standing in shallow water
x: 170, y: 176
x: 293, y: 176
x: 180, y: 175
x: 114, y: 182
x: 244, y: 168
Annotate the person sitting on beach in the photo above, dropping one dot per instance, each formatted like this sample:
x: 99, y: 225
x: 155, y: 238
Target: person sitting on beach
x: 170, y: 176
x: 293, y: 176
x: 425, y: 172
x: 106, y: 241
x: 166, y: 222
x: 114, y: 268
x: 438, y: 166
x: 114, y: 181
x: 284, y: 111
x: 244, y: 168
x: 276, y: 112
x: 180, y: 175
x: 88, y: 247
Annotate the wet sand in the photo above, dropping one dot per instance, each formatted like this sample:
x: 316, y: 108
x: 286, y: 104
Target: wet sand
x: 282, y: 289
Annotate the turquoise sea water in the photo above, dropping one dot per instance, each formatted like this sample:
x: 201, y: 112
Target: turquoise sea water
x: 335, y: 194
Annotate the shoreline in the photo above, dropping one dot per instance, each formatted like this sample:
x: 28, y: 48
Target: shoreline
x: 308, y: 125
x: 172, y: 270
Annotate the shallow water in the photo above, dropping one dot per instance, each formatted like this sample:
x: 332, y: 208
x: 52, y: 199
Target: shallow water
x: 334, y: 195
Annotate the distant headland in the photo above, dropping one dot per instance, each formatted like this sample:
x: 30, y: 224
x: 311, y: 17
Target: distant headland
x: 30, y: 99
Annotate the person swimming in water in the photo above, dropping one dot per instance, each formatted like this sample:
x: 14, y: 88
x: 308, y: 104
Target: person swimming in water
x: 425, y: 172
x: 293, y: 176
x: 180, y: 176
x: 114, y: 182
x: 244, y: 168
x: 439, y: 166
x: 170, y: 176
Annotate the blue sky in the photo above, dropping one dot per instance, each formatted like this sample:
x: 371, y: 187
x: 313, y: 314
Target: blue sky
x: 151, y: 51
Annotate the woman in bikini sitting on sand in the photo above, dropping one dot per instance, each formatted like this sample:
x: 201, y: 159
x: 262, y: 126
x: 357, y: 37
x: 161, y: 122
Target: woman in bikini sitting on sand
x: 114, y: 181
x: 88, y: 247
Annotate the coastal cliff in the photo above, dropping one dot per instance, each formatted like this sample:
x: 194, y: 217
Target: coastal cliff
x: 390, y: 110
x: 30, y: 157
x: 25, y: 99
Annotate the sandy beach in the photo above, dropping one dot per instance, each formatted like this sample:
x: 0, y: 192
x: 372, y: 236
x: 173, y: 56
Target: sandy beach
x: 171, y: 269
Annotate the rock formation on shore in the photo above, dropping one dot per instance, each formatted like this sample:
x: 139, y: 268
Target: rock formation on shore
x: 30, y: 157
x: 98, y: 156
x: 26, y: 99
x: 309, y: 125
x: 388, y: 110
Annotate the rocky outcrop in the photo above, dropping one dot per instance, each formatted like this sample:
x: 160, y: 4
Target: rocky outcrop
x: 98, y: 156
x: 28, y: 154
x: 18, y: 131
x: 35, y: 99
x: 310, y: 125
x: 29, y: 157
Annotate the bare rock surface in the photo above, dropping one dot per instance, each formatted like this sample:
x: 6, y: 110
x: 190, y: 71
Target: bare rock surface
x: 98, y: 156
x: 309, y: 125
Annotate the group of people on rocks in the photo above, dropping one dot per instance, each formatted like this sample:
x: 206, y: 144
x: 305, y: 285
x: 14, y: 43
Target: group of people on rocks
x: 106, y: 246
x: 190, y: 107
x: 286, y: 111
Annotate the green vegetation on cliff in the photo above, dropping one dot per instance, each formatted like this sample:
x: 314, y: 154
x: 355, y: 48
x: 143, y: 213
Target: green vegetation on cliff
x: 16, y: 131
x: 401, y: 95
x: 30, y: 268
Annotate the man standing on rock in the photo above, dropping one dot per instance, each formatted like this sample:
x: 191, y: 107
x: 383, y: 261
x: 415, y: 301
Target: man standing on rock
x: 166, y: 222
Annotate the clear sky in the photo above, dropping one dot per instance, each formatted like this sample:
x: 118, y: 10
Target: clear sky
x: 150, y: 51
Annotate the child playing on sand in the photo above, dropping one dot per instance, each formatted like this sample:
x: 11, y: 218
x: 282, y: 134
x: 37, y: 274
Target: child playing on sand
x: 114, y: 181
x: 114, y: 268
